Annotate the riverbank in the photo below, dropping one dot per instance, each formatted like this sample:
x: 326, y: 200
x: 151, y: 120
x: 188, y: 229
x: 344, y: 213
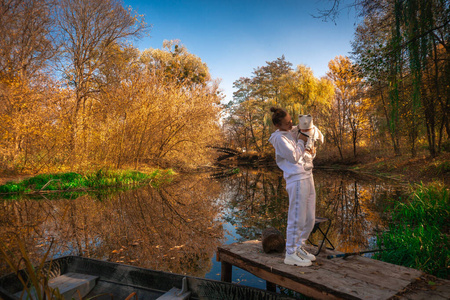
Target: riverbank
x: 403, y: 168
x: 85, y: 181
x: 407, y: 169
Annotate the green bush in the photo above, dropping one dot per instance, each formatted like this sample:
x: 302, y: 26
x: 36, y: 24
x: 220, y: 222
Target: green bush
x: 419, y: 231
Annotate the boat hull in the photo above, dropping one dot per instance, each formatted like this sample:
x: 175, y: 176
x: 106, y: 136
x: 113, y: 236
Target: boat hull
x: 118, y: 281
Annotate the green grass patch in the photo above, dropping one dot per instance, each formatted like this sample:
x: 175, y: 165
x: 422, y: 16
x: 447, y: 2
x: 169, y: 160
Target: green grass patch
x: 419, y: 231
x: 90, y: 181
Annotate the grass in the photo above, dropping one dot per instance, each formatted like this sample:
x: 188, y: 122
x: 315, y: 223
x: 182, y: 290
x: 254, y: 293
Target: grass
x: 420, y: 231
x: 72, y: 181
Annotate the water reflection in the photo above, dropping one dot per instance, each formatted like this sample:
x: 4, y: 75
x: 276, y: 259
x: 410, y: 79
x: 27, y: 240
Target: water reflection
x: 355, y: 204
x: 257, y: 199
x: 174, y: 228
x: 177, y: 228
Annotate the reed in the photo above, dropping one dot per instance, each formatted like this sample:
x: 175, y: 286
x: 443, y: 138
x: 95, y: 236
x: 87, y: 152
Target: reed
x: 33, y: 278
x: 419, y: 231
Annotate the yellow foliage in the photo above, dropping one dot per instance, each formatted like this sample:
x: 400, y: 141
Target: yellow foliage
x: 138, y: 116
x: 348, y: 117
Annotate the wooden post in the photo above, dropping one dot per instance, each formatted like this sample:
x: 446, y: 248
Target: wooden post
x: 226, y: 272
x: 271, y: 287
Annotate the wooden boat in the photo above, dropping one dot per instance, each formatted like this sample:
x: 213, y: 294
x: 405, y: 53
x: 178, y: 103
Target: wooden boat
x: 82, y: 277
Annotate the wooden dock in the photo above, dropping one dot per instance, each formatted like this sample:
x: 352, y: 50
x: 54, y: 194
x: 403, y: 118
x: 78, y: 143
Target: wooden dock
x: 355, y: 277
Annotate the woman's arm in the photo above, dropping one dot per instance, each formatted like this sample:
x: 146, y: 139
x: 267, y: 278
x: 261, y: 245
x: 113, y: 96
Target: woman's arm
x: 290, y: 150
x: 312, y: 151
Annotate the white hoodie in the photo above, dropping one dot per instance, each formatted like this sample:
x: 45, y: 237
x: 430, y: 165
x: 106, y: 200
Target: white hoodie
x: 290, y: 155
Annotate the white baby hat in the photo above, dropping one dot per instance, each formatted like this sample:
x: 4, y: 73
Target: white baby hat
x: 306, y: 122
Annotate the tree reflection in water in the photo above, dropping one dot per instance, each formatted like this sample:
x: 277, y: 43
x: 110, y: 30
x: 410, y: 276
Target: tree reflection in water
x: 257, y: 199
x: 178, y: 227
x: 174, y: 228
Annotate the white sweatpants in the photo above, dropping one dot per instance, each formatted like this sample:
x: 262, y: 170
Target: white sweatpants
x: 302, y: 213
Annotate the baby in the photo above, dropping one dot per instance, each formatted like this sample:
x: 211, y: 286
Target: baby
x: 313, y: 134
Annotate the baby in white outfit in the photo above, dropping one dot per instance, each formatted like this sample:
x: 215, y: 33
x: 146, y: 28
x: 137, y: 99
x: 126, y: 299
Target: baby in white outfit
x: 313, y: 134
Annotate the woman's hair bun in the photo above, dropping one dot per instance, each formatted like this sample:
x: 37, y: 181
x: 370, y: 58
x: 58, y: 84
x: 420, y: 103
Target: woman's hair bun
x: 277, y: 115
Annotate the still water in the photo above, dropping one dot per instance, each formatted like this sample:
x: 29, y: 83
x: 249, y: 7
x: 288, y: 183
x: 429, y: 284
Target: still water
x: 178, y: 227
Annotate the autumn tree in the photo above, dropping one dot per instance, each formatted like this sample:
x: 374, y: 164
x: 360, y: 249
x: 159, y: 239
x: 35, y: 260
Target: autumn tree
x: 155, y: 115
x: 249, y: 109
x: 267, y: 90
x: 115, y: 105
x: 237, y: 126
x: 349, y: 110
x: 275, y: 84
x: 175, y: 63
x: 371, y: 54
x: 303, y: 93
x: 414, y: 52
x: 426, y: 27
x: 107, y: 119
x: 26, y: 44
x: 88, y: 28
x: 269, y: 80
x: 26, y: 52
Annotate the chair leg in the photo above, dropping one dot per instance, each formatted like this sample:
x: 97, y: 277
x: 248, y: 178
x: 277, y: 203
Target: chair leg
x: 329, y: 242
x: 325, y: 238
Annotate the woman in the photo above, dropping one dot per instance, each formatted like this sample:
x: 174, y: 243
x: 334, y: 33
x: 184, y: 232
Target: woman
x: 290, y: 152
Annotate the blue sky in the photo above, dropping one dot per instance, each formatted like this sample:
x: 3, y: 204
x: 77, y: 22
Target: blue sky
x: 235, y: 37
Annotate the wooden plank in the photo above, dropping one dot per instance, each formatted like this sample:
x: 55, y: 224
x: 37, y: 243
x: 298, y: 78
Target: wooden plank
x: 421, y: 289
x: 70, y: 285
x: 364, y: 269
x: 373, y: 266
x: 275, y: 278
x: 319, y: 285
x: 356, y: 264
x: 356, y: 277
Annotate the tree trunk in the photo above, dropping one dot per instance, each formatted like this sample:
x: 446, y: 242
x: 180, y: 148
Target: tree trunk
x: 394, y: 140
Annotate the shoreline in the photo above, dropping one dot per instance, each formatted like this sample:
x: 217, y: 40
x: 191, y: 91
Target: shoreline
x: 404, y: 169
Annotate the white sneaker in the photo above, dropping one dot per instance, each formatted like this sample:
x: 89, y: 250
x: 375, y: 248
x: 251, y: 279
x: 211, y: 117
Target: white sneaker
x: 301, y: 252
x: 295, y: 260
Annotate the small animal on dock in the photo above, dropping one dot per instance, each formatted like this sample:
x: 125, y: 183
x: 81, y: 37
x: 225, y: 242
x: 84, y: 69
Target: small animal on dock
x: 273, y: 240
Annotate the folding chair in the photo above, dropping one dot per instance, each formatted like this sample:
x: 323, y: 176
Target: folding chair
x: 317, y: 223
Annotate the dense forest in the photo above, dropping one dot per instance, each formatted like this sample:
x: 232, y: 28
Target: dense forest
x: 75, y: 92
x: 391, y: 94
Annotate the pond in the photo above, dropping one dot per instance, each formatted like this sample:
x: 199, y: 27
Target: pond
x: 178, y: 227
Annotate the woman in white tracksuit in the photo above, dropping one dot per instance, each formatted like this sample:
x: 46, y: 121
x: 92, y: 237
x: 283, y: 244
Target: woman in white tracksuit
x: 290, y: 157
